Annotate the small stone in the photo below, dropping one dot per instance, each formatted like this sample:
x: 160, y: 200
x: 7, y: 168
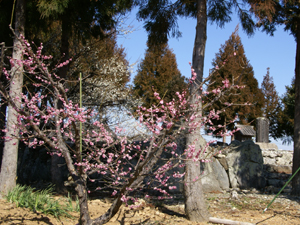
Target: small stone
x: 234, y: 195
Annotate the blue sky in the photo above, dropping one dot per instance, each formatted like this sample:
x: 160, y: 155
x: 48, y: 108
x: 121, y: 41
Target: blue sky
x: 277, y: 52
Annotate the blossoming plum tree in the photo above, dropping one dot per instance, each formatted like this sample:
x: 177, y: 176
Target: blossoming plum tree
x: 107, y: 158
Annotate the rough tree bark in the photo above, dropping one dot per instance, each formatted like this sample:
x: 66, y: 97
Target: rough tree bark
x: 10, y: 151
x: 195, y: 206
x: 296, y: 156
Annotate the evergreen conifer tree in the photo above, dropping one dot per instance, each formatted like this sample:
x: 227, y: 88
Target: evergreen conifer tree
x: 287, y: 114
x: 158, y: 72
x: 234, y: 66
x: 272, y: 107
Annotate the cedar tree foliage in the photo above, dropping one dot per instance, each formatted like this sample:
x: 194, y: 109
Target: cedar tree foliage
x: 272, y: 106
x: 238, y: 71
x: 161, y: 16
x: 158, y: 72
x: 83, y: 20
x: 286, y: 121
x: 89, y: 39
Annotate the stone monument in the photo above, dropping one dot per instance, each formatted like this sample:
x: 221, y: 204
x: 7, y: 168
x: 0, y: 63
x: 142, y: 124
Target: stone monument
x: 262, y: 130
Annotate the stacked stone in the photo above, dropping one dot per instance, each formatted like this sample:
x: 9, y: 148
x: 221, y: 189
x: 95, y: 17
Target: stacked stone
x: 277, y: 169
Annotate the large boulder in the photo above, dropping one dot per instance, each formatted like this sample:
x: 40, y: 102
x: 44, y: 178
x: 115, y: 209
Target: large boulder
x: 245, y: 165
x: 214, y: 176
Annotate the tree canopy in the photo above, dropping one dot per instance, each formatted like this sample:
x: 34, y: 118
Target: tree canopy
x: 232, y: 64
x: 161, y: 16
x: 272, y: 106
x: 158, y: 72
x: 286, y: 124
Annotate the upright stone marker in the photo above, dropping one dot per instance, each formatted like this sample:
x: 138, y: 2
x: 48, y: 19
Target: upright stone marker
x: 262, y: 130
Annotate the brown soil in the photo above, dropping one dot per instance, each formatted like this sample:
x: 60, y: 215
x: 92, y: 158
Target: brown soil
x: 247, y: 208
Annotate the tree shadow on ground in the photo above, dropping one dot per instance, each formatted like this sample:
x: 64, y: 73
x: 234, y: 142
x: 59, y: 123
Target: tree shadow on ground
x: 170, y: 212
x: 17, y: 219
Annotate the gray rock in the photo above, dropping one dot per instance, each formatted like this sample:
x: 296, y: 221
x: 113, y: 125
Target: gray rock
x: 279, y: 169
x: 234, y: 195
x: 268, y: 160
x: 214, y: 177
x: 223, y: 162
x: 245, y: 164
x: 280, y: 176
x: 285, y: 159
x: 276, y: 182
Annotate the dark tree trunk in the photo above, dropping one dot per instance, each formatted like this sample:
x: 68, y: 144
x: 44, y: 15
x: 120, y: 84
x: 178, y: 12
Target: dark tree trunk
x: 296, y: 156
x: 8, y: 173
x: 195, y: 206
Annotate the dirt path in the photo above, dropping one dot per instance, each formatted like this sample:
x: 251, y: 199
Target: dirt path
x: 247, y: 208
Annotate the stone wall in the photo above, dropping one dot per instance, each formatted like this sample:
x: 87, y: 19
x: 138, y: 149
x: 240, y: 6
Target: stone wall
x: 249, y: 165
x: 244, y: 165
x: 278, y: 157
x: 277, y: 168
